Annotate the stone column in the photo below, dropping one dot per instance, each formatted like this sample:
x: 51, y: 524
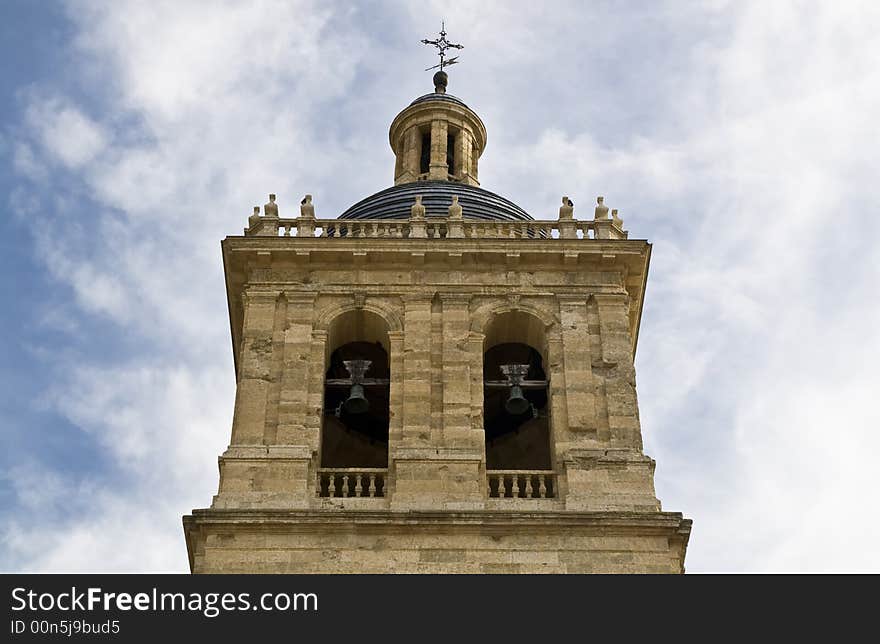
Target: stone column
x: 463, y: 156
x: 411, y: 154
x: 438, y: 168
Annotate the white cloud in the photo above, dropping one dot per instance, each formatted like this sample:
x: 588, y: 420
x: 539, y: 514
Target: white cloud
x: 66, y: 133
x: 739, y: 138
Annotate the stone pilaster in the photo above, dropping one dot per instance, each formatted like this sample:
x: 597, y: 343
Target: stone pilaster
x: 579, y: 387
x: 263, y: 473
x: 456, y: 370
x: 396, y: 393
x: 613, y: 474
x: 255, y: 368
x: 294, y: 407
x: 416, y: 380
x: 273, y: 396
x: 437, y: 469
x: 616, y: 366
x: 475, y: 353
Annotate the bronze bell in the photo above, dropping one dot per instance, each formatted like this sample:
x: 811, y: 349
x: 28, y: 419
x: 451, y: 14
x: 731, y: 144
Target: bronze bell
x: 356, y: 403
x: 516, y: 403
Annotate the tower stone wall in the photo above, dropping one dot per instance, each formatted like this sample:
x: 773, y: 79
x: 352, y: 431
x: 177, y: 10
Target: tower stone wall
x: 433, y: 301
x: 498, y: 430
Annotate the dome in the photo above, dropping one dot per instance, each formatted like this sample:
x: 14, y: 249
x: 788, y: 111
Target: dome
x: 396, y: 202
x: 437, y: 96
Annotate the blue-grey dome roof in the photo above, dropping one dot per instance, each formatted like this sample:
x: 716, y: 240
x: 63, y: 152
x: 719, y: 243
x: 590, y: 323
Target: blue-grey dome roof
x: 436, y: 96
x: 396, y: 202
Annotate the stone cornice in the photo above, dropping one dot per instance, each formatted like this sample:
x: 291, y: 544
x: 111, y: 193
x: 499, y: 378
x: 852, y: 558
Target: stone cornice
x: 660, y: 523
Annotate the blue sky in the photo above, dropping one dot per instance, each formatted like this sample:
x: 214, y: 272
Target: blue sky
x: 738, y: 137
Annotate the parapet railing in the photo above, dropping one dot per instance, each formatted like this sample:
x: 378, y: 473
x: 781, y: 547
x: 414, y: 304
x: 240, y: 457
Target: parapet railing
x: 435, y: 228
x: 521, y: 484
x: 350, y: 482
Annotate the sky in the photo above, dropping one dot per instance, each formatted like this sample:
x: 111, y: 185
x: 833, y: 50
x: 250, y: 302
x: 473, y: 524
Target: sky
x: 739, y: 138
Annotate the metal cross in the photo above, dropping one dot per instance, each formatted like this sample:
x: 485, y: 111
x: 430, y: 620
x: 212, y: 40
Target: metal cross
x: 442, y: 44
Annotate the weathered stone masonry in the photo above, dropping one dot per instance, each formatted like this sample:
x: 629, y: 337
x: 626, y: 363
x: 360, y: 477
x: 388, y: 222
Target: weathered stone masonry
x: 435, y: 294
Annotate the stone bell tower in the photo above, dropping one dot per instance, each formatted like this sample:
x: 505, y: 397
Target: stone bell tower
x: 435, y: 381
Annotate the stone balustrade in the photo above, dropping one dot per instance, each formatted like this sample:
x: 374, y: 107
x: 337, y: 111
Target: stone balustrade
x: 521, y: 484
x: 352, y: 482
x: 435, y: 228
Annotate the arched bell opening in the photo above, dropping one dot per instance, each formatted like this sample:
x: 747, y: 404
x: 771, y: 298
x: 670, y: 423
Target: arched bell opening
x: 356, y: 393
x: 425, y: 151
x: 515, y: 409
x: 516, y: 394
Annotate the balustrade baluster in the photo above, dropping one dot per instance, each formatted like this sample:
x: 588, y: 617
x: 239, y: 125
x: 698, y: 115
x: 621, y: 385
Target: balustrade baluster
x: 372, y: 489
x: 358, y: 488
x: 520, y: 484
x: 331, y: 488
x: 345, y: 485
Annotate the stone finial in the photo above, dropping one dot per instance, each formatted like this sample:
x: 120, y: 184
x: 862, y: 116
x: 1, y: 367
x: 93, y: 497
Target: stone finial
x: 254, y: 219
x: 306, y: 209
x: 566, y: 210
x: 418, y: 210
x: 271, y: 208
x: 616, y: 219
x: 441, y: 80
x: 454, y: 208
x: 601, y: 209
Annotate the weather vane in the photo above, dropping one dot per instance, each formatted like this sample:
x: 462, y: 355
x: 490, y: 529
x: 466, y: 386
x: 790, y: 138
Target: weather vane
x: 442, y: 44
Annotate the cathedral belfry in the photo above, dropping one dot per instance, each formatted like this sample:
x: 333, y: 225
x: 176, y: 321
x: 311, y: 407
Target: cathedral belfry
x: 435, y: 381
